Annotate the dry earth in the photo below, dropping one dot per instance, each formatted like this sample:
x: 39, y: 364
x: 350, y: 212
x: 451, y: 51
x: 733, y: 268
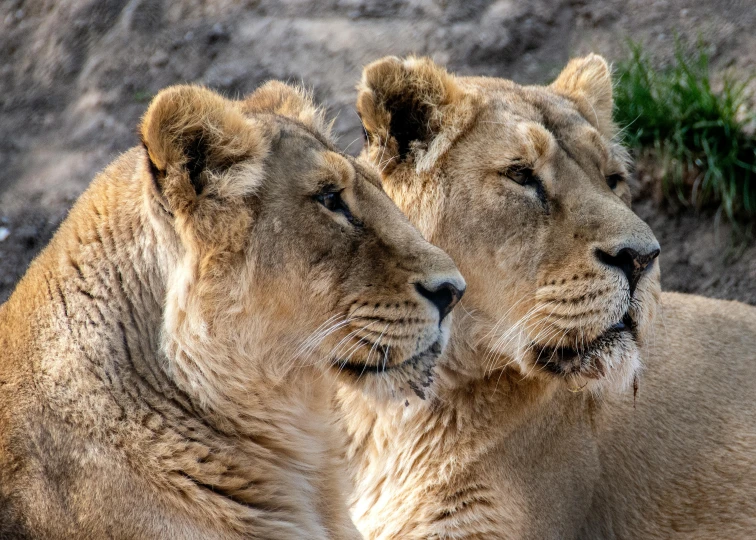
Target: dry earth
x: 75, y: 76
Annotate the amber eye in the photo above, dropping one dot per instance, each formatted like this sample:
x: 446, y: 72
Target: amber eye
x: 613, y: 179
x: 527, y: 178
x: 520, y: 175
x: 333, y: 202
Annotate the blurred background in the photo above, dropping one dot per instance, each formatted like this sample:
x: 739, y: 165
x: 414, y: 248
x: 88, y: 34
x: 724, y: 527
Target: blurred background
x: 76, y: 75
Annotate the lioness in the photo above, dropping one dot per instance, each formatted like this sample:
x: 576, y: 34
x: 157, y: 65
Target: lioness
x: 535, y: 429
x: 167, y: 360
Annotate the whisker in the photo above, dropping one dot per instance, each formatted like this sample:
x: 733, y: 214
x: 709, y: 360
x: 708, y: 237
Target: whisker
x: 350, y: 144
x: 312, y: 342
x: 375, y: 344
x: 499, y: 347
x: 513, y: 328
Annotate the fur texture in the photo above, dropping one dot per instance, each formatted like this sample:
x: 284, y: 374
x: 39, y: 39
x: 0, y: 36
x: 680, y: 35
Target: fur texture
x: 167, y: 360
x: 535, y: 429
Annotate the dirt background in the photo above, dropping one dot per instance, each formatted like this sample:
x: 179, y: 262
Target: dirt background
x: 76, y: 75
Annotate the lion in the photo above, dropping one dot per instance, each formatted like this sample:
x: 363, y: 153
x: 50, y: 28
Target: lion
x: 575, y: 400
x: 168, y: 360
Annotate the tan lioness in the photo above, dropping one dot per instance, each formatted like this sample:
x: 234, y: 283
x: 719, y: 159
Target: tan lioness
x: 534, y: 429
x: 166, y: 362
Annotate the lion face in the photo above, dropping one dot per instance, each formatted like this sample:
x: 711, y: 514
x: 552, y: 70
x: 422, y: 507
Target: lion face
x: 527, y: 190
x: 291, y: 250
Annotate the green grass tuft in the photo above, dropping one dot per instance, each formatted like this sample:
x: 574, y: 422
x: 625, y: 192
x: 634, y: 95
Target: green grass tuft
x: 700, y: 134
x: 143, y: 96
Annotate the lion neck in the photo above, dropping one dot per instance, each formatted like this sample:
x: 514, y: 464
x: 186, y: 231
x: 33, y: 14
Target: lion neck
x: 426, y: 449
x: 94, y: 299
x: 237, y: 389
x: 431, y: 450
x: 113, y: 263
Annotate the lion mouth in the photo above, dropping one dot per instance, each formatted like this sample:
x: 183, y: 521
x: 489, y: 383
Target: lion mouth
x: 423, y: 361
x: 585, y: 359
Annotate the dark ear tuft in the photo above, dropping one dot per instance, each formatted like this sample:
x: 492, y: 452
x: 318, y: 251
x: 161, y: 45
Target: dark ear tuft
x: 409, y: 122
x: 196, y: 152
x: 412, y: 111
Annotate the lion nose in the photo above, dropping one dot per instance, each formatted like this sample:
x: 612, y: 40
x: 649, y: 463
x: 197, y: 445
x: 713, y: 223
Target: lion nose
x: 443, y: 293
x: 630, y: 262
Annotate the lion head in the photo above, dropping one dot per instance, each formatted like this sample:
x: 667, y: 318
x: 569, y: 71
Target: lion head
x: 526, y: 188
x: 287, y: 250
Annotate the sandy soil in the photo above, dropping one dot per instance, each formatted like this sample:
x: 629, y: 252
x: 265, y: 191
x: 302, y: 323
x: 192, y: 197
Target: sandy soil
x: 75, y: 76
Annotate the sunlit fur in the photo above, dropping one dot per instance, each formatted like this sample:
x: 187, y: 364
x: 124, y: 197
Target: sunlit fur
x: 650, y: 437
x: 167, y: 360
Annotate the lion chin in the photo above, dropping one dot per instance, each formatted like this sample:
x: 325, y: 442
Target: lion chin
x: 384, y: 380
x: 608, y: 362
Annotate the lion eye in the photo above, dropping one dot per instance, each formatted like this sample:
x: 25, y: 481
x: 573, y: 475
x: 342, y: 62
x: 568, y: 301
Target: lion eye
x: 334, y: 203
x: 527, y: 178
x: 520, y: 175
x: 613, y: 179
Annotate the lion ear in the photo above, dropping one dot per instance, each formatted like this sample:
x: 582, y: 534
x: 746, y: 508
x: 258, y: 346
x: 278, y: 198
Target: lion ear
x: 194, y: 137
x: 412, y: 111
x: 588, y: 82
x: 290, y: 101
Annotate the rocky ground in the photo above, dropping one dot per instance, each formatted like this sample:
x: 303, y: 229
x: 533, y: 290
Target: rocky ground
x: 75, y: 76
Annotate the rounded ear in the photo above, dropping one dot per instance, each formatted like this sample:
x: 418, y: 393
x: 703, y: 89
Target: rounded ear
x: 194, y: 137
x: 290, y: 101
x: 412, y: 111
x: 588, y: 82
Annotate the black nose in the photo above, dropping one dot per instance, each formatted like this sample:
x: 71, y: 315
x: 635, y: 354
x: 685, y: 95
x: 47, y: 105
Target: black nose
x: 444, y: 296
x: 632, y: 263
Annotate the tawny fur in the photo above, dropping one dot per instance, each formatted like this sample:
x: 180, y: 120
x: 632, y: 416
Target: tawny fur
x: 505, y: 448
x: 167, y: 360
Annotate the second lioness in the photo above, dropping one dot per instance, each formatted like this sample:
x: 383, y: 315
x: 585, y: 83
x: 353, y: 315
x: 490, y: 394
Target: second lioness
x: 165, y: 362
x: 534, y: 430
